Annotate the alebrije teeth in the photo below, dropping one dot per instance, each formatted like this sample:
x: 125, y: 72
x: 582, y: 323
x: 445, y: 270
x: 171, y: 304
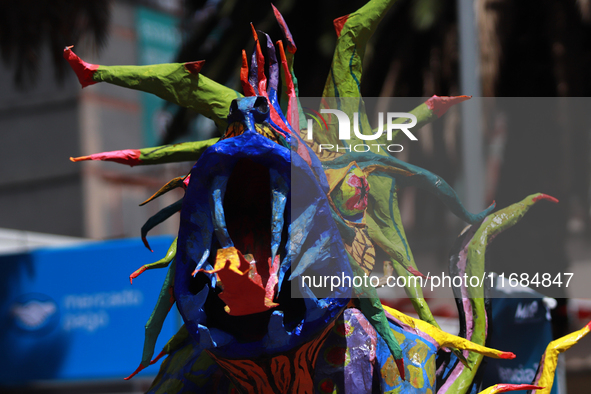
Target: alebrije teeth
x: 279, y: 190
x: 202, y: 262
x: 217, y: 208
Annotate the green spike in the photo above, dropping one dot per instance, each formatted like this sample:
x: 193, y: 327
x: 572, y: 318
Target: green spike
x: 491, y: 226
x: 162, y: 263
x: 156, y: 320
x: 173, y: 82
x: 170, y: 185
x: 186, y: 151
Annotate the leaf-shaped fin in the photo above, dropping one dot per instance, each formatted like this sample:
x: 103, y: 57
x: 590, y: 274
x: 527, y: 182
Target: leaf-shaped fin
x: 162, y: 263
x: 290, y: 104
x: 170, y: 185
x: 273, y: 65
x: 291, y: 46
x: 277, y: 117
x: 156, y: 320
x: 257, y: 77
x: 158, y: 218
x: 247, y: 88
x: 288, y: 92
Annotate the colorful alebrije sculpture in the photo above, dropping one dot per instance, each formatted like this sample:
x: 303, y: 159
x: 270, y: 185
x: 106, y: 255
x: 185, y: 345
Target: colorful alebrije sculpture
x: 247, y: 236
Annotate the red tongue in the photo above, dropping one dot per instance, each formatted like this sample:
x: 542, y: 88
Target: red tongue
x: 243, y: 293
x: 248, y: 212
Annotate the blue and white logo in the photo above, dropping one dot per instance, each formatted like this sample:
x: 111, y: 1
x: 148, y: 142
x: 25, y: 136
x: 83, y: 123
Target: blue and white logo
x: 35, y: 312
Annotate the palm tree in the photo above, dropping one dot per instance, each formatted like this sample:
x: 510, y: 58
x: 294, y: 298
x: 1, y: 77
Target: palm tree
x: 27, y: 26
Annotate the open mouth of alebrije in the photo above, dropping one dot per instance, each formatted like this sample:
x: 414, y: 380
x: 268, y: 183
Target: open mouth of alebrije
x: 248, y: 213
x: 248, y: 206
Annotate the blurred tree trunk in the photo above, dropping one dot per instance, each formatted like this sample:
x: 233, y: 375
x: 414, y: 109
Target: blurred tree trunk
x: 538, y: 49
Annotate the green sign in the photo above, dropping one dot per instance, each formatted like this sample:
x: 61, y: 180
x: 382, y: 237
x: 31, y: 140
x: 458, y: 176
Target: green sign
x: 158, y: 42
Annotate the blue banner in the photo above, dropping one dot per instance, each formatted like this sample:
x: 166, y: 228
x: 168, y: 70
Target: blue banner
x: 71, y: 313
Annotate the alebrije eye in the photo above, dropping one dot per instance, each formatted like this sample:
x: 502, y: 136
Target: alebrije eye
x: 233, y: 106
x: 261, y: 109
x: 350, y: 197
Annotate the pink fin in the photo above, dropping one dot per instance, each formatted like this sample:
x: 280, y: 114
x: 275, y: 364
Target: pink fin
x: 84, y: 71
x: 131, y: 157
x: 440, y: 105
